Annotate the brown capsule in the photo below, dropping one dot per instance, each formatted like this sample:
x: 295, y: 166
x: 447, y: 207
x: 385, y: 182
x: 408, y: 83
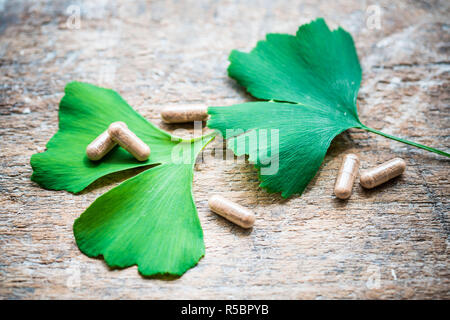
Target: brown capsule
x: 384, y: 172
x: 129, y: 141
x: 103, y: 144
x: 232, y: 211
x: 184, y: 113
x: 346, y: 176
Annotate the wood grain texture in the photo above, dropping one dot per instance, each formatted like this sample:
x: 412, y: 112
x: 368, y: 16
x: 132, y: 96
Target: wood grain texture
x: 389, y: 242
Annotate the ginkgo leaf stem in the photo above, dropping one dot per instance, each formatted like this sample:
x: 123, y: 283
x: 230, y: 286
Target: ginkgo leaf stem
x: 418, y: 145
x: 211, y: 134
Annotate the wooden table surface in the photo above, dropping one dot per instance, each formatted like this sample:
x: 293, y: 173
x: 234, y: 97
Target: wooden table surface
x: 390, y: 242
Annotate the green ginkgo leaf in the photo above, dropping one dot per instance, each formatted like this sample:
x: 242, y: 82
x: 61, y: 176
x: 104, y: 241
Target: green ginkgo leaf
x: 149, y: 220
x: 315, y: 76
x: 86, y: 111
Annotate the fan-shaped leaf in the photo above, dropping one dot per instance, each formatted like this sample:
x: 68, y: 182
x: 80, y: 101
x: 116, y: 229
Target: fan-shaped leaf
x: 318, y: 72
x: 149, y: 220
x: 84, y: 112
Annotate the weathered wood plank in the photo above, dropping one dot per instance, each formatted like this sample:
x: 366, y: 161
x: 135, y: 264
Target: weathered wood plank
x: 391, y: 242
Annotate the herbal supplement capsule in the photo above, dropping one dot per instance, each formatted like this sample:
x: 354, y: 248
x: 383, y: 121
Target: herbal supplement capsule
x: 384, y: 172
x: 129, y: 141
x: 103, y: 144
x: 232, y: 211
x: 184, y: 113
x: 346, y: 176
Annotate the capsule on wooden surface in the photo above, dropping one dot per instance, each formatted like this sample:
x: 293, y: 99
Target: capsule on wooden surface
x: 101, y: 145
x: 184, y: 113
x: 129, y: 141
x: 384, y: 172
x: 232, y: 211
x: 346, y: 176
